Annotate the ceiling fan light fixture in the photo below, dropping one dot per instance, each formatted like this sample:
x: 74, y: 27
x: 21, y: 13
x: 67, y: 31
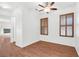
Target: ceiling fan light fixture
x: 47, y: 9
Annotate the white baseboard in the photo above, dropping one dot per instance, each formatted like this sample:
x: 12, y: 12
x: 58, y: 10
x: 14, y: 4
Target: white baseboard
x: 57, y: 42
x: 24, y: 45
x: 19, y: 45
x: 77, y: 49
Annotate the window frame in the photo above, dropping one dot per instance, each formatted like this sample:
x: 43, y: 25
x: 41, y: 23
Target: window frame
x: 43, y: 27
x: 66, y: 25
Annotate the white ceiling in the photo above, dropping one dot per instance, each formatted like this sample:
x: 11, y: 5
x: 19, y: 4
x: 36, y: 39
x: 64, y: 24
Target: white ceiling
x: 33, y: 5
x: 59, y: 5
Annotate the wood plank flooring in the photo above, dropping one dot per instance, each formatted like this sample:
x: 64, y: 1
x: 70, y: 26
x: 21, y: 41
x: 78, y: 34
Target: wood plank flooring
x: 38, y: 49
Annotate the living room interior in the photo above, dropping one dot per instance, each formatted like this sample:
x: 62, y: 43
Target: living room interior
x: 39, y: 29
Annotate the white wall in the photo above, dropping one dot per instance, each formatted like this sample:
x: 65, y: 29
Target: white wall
x: 17, y: 26
x: 31, y: 26
x: 77, y: 27
x: 53, y: 30
x: 25, y: 26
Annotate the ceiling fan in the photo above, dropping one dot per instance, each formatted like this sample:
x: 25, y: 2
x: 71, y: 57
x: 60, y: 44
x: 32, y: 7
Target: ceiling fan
x: 48, y: 7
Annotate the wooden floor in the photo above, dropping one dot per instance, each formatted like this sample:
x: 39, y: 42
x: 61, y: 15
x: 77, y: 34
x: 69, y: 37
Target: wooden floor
x: 38, y: 49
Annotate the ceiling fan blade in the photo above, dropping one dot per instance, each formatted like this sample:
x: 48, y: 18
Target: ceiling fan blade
x: 41, y: 6
x: 52, y: 3
x: 39, y: 10
x: 53, y: 8
x: 46, y: 4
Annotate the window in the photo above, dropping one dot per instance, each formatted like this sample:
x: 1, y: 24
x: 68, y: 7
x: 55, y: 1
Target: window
x: 67, y: 25
x: 44, y: 26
